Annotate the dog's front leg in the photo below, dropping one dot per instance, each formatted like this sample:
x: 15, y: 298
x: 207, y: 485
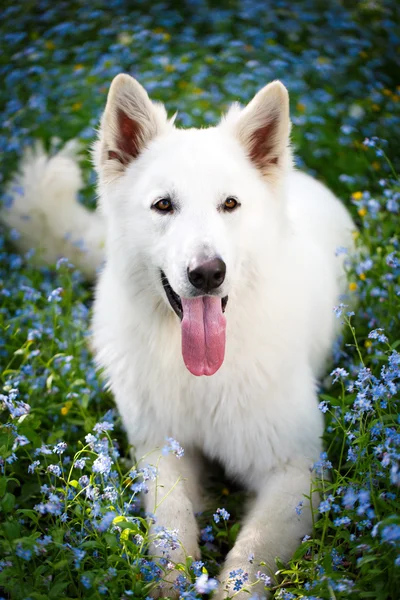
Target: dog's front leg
x: 271, y: 529
x: 172, y: 498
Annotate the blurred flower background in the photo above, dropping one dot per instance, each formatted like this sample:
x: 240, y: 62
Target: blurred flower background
x: 70, y: 520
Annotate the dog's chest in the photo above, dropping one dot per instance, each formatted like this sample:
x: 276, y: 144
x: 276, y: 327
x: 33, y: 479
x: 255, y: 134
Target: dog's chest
x: 239, y: 420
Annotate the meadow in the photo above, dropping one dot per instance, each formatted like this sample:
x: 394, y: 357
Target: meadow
x: 71, y: 525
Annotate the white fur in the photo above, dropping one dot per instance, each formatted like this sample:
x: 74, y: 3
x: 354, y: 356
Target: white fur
x: 258, y: 414
x: 46, y: 212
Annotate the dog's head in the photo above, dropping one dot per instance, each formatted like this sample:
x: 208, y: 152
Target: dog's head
x: 197, y: 211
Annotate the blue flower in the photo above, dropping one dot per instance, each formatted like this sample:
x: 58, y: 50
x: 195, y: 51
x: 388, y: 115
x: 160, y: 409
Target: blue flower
x: 221, y: 514
x: 11, y: 459
x: 206, y: 534
x: 197, y: 566
x: 325, y: 506
x: 103, y: 426
x: 205, y: 585
x: 174, y: 447
x: 102, y: 464
x: 323, y: 406
x: 391, y: 533
x: 60, y: 448
x: 25, y: 554
x: 338, y: 310
x: 267, y: 581
x: 55, y: 295
x: 86, y: 582
x: 377, y: 334
x: 33, y: 466
x: 55, y: 470
x: 339, y: 373
x: 106, y: 521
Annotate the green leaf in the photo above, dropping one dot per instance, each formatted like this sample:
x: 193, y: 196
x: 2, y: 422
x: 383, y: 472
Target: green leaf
x: 55, y: 590
x: 233, y: 532
x: 8, y: 502
x: 111, y: 541
x: 3, y: 486
x: 58, y: 535
x: 60, y: 564
x: 12, y: 529
x: 28, y: 512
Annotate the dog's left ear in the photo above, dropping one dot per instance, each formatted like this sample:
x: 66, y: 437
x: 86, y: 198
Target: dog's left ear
x: 263, y: 128
x: 129, y: 123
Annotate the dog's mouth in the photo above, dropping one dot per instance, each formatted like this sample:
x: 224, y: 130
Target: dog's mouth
x: 175, y: 300
x: 203, y: 326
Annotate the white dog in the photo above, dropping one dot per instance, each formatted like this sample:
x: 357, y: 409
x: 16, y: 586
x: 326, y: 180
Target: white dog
x: 214, y: 311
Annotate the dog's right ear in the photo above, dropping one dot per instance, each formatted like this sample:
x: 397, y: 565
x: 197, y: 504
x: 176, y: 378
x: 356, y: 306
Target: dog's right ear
x: 130, y: 121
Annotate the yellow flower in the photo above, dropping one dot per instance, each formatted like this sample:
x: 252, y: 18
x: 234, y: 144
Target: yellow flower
x: 119, y: 519
x: 376, y: 107
x: 76, y: 106
x: 66, y: 408
x: 352, y: 286
x: 50, y: 45
x: 386, y: 92
x: 375, y: 165
x: 301, y: 107
x: 78, y: 67
x: 362, y: 212
x: 368, y: 343
x: 363, y: 54
x: 357, y: 195
x: 355, y: 234
x: 363, y: 276
x: 167, y: 37
x: 225, y: 492
x: 124, y: 536
x: 169, y: 68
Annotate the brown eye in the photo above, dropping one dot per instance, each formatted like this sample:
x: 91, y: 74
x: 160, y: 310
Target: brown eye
x: 231, y: 203
x: 163, y: 205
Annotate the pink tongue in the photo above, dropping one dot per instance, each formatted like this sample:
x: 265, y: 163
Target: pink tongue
x: 203, y: 334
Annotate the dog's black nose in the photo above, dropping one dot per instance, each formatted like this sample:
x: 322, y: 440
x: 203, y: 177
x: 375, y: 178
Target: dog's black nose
x: 208, y: 275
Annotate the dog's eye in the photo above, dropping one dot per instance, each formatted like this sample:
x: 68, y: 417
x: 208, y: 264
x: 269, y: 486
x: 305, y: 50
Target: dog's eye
x: 163, y: 205
x: 230, y: 204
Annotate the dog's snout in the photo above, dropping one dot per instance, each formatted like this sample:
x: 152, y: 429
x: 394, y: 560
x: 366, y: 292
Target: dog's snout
x: 207, y: 275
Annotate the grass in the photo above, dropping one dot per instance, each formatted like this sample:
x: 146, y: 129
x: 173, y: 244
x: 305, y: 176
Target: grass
x: 70, y: 521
